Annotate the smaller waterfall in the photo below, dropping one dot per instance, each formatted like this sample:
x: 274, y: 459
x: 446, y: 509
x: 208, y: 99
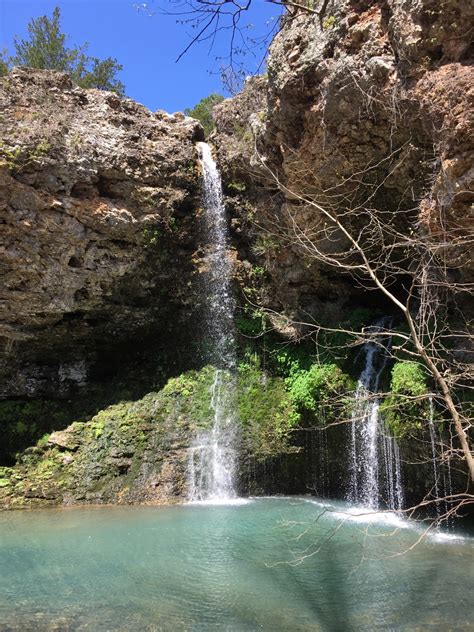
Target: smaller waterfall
x: 316, y: 447
x: 370, y: 439
x: 433, y: 453
x: 448, y: 485
x: 392, y: 471
x: 442, y: 484
x: 323, y: 463
x: 213, y: 457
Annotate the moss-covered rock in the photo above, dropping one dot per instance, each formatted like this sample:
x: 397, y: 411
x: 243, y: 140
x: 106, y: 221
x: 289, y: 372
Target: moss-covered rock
x: 137, y: 451
x: 406, y: 408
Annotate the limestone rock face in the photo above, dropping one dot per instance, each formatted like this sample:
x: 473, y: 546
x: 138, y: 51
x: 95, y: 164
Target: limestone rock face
x: 368, y: 104
x: 97, y: 205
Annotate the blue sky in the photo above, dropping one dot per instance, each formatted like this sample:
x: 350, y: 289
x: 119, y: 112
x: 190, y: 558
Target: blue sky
x: 146, y: 45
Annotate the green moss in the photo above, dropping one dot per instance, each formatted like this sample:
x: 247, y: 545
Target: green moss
x: 43, y: 441
x: 190, y: 395
x: 406, y: 409
x: 265, y: 410
x: 98, y: 428
x: 102, y: 459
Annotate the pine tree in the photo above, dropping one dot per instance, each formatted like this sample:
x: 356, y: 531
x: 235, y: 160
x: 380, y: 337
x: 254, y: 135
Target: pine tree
x: 203, y: 111
x: 46, y: 48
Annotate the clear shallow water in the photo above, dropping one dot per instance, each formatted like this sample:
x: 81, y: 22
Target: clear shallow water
x: 196, y: 567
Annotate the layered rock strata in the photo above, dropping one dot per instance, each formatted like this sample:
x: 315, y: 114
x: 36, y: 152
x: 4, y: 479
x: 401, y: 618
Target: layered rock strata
x: 367, y: 105
x: 98, y: 204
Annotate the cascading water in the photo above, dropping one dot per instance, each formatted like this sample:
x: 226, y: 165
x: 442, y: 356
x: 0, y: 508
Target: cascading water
x: 369, y: 437
x: 433, y: 452
x: 213, y: 458
x: 442, y: 487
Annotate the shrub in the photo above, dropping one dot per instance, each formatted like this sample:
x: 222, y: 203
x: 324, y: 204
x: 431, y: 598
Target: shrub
x: 319, y: 387
x: 405, y: 409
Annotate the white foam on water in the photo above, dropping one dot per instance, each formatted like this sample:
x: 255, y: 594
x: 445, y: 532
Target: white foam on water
x: 221, y: 502
x: 441, y: 536
x: 319, y: 503
x: 364, y: 515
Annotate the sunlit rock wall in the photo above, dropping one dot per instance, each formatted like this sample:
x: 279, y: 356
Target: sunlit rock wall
x: 98, y: 200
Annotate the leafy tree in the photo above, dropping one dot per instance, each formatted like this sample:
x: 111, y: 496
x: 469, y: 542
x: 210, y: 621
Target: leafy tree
x: 203, y: 111
x: 46, y: 48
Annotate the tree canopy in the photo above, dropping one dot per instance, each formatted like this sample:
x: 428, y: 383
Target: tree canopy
x: 46, y: 48
x: 203, y: 111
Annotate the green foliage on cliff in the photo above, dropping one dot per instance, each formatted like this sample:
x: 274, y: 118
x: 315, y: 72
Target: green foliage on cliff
x: 318, y: 388
x: 46, y: 48
x: 203, y: 111
x: 265, y: 410
x: 406, y: 408
x: 408, y: 378
x: 250, y: 324
x: 18, y: 158
x: 321, y: 386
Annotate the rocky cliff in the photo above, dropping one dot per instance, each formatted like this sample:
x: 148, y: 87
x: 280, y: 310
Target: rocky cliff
x: 98, y: 205
x: 368, y: 104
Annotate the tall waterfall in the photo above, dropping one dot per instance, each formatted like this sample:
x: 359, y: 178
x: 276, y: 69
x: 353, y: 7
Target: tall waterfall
x: 375, y: 464
x: 213, y: 457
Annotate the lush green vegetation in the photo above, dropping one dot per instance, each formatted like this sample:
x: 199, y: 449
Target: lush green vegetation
x: 265, y: 410
x: 100, y: 459
x: 322, y: 386
x: 203, y: 111
x: 406, y: 407
x: 46, y: 48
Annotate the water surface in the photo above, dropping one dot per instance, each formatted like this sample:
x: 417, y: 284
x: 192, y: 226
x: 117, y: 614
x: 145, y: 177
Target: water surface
x: 268, y: 564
